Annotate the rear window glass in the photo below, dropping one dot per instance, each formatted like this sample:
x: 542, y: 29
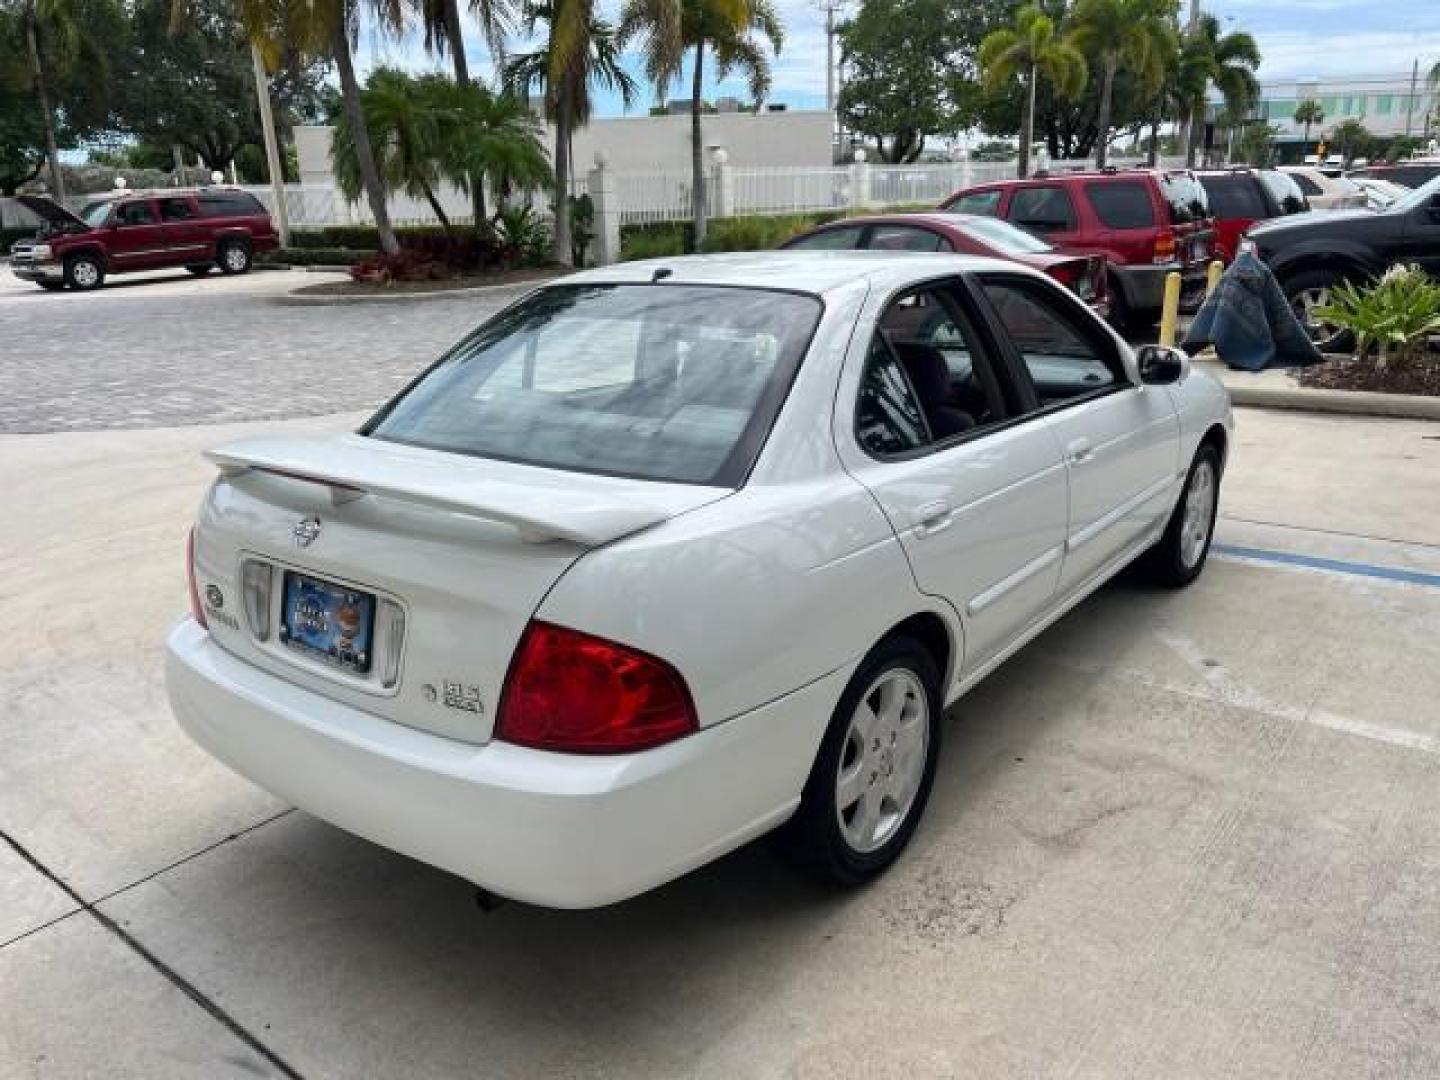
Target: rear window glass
x: 1002, y: 236
x: 229, y: 204
x: 977, y: 202
x: 840, y: 239
x: 906, y: 238
x: 1122, y: 204
x: 1308, y: 186
x: 1185, y: 197
x: 657, y: 382
x: 1234, y: 197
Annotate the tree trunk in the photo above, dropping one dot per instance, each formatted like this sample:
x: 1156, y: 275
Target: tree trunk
x: 1191, y: 127
x: 1027, y: 123
x: 1102, y: 123
x: 42, y: 91
x: 364, y: 151
x: 1153, y: 158
x: 697, y: 149
x: 455, y: 33
x: 563, y: 253
x: 435, y: 205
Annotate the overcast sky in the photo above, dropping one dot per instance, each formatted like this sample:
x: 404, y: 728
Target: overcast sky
x: 1298, y: 38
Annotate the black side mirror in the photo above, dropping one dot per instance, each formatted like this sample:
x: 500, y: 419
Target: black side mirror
x: 1161, y: 365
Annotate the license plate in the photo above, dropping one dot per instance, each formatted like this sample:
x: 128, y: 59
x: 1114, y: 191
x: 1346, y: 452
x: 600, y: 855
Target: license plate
x: 330, y: 622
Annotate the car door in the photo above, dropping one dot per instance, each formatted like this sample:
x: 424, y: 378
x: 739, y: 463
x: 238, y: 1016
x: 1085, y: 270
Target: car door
x: 185, y: 235
x: 1120, y: 440
x: 976, y: 493
x: 137, y: 239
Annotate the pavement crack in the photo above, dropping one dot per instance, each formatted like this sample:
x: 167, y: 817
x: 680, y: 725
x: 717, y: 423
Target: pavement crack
x: 184, y: 985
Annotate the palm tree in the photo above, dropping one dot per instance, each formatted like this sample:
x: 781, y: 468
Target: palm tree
x: 1128, y: 31
x: 580, y: 49
x: 732, y: 31
x: 1030, y: 50
x: 1309, y: 112
x: 1226, y: 60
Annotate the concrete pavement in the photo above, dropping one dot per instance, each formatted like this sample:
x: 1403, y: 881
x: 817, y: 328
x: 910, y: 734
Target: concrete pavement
x: 1181, y: 834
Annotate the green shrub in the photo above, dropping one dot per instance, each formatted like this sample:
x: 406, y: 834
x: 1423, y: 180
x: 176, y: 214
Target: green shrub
x: 1395, y: 314
x: 314, y: 256
x: 654, y: 243
x: 751, y: 232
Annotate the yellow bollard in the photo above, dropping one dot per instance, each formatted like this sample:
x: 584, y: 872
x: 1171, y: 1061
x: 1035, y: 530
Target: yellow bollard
x: 1212, y: 276
x: 1170, y: 311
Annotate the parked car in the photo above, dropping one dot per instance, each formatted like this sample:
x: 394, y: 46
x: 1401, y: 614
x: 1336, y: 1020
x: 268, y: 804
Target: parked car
x: 142, y: 230
x: 671, y: 553
x: 1410, y: 173
x: 968, y: 234
x: 1147, y: 222
x: 1240, y: 197
x: 1326, y: 189
x: 1379, y: 194
x: 1311, y: 253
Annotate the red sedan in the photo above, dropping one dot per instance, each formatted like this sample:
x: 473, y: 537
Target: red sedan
x: 969, y: 234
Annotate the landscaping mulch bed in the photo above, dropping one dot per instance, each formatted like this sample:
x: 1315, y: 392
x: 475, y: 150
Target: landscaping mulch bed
x: 400, y: 288
x: 1417, y: 377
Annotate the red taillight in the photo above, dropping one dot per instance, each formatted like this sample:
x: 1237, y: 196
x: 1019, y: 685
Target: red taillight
x: 197, y: 610
x: 584, y: 695
x: 1164, y: 246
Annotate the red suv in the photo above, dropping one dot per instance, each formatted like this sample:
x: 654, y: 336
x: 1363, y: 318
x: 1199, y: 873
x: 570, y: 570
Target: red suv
x: 142, y: 230
x: 1240, y: 197
x: 1148, y: 222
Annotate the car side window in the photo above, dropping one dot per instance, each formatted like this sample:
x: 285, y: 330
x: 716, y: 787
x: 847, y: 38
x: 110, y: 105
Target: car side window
x: 1043, y: 209
x: 176, y: 210
x: 1122, y: 204
x: 888, y: 420
x: 134, y: 213
x: 1308, y: 186
x: 1064, y: 357
x: 840, y: 239
x: 986, y: 203
x: 906, y: 238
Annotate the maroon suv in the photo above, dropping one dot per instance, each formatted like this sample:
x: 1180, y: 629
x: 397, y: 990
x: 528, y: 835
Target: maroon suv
x: 1148, y: 222
x: 142, y: 230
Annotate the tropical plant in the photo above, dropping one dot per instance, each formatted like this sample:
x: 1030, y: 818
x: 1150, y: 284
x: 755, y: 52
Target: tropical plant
x: 732, y: 29
x: 582, y: 226
x: 1352, y: 139
x: 1228, y: 61
x: 1029, y: 51
x: 1309, y: 112
x: 523, y: 232
x: 580, y: 50
x: 1395, y: 315
x: 1132, y: 32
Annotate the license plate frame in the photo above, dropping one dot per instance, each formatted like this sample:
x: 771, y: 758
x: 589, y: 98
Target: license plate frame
x: 328, y: 621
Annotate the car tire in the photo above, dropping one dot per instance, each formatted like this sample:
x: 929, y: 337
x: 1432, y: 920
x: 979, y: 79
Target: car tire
x: 880, y: 747
x: 1310, y: 287
x: 84, y: 272
x: 200, y: 269
x: 234, y: 257
x: 1179, y: 555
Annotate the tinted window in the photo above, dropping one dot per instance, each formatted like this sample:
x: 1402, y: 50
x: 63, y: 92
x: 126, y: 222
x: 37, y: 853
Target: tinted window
x: 829, y: 239
x: 96, y: 213
x: 1234, y: 197
x: 1308, y: 186
x: 1185, y: 198
x: 1064, y: 358
x: 228, y: 204
x: 887, y: 415
x: 1004, y: 237
x: 906, y: 238
x: 135, y: 213
x: 1122, y: 204
x: 659, y: 382
x: 176, y: 209
x: 978, y: 202
x: 1285, y: 191
x: 1043, y: 209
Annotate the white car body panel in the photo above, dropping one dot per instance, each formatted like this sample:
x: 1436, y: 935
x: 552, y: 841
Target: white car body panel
x: 765, y: 598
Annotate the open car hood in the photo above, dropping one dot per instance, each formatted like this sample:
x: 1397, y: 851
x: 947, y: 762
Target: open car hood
x: 51, y: 211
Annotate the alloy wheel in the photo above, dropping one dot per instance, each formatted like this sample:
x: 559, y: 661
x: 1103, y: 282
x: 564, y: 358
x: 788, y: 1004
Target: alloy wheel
x: 1199, y: 514
x: 882, y: 763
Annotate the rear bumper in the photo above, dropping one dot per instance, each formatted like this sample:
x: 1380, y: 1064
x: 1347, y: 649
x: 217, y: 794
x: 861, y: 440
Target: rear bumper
x: 1143, y: 287
x: 555, y: 829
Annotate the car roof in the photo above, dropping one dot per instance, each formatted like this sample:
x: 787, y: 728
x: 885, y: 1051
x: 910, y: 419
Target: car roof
x: 116, y: 194
x: 817, y: 272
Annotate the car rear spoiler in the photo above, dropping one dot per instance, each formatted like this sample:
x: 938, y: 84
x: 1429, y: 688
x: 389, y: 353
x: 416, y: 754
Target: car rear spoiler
x: 354, y: 467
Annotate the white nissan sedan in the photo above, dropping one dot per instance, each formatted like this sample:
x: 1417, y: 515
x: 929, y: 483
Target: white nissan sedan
x: 668, y: 555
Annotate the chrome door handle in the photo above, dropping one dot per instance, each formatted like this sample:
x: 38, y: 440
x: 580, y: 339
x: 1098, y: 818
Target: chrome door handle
x: 933, y: 517
x: 1079, y: 451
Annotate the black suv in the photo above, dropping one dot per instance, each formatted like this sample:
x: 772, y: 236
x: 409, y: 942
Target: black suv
x: 1311, y: 253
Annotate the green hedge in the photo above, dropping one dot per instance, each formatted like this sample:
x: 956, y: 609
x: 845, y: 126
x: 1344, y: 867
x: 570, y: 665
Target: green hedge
x: 753, y: 232
x: 355, y: 237
x: 315, y: 256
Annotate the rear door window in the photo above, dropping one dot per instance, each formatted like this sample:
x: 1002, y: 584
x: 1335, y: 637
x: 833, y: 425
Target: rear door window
x: 1185, y: 198
x: 1043, y: 209
x: 135, y: 213
x: 176, y: 209
x: 906, y: 238
x: 985, y: 203
x: 1234, y: 197
x: 1122, y: 204
x: 229, y: 204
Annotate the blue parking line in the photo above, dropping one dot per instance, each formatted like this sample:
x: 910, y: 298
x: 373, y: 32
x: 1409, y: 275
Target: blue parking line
x: 1339, y: 566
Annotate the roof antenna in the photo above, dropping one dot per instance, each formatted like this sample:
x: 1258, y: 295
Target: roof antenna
x: 661, y: 273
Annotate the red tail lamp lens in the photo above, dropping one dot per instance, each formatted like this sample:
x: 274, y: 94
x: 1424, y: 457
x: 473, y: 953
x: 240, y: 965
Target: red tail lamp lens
x: 197, y: 610
x: 581, y: 694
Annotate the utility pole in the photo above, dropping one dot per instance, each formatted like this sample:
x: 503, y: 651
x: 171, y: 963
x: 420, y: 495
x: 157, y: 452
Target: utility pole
x: 830, y: 8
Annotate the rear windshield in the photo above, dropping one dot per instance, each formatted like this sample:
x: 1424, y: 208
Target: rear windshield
x: 1005, y: 237
x: 1185, y: 197
x: 1286, y: 191
x: 1234, y: 197
x: 655, y: 382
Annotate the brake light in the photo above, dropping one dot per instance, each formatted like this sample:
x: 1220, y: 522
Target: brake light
x: 581, y: 694
x: 197, y: 610
x: 1164, y: 246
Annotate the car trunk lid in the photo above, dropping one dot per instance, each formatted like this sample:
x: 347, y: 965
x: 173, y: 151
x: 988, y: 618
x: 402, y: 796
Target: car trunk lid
x: 456, y: 551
